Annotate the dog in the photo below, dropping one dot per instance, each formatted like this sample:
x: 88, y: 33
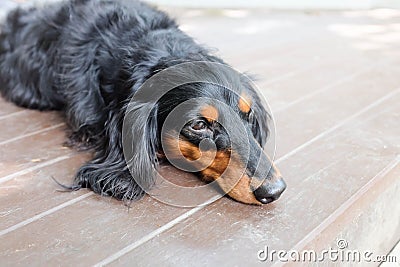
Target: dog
x: 89, y: 58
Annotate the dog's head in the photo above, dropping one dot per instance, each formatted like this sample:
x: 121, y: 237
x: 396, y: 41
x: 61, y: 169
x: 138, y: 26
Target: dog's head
x: 214, y: 131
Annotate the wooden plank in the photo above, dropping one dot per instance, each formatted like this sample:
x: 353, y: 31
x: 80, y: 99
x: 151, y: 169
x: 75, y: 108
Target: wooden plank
x: 27, y: 195
x: 22, y: 154
x: 332, y: 106
x: 253, y: 31
x: 96, y: 224
x: 27, y: 123
x: 297, y: 88
x: 7, y: 109
x: 356, y: 220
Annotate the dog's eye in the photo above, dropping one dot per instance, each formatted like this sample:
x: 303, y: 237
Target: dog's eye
x: 199, y: 125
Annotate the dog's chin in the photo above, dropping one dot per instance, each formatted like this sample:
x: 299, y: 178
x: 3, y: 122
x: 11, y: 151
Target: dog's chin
x: 241, y: 191
x: 246, y: 201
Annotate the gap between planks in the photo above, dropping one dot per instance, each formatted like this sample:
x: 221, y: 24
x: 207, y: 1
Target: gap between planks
x: 343, y: 122
x: 33, y: 133
x: 15, y: 113
x: 43, y: 214
x: 34, y: 168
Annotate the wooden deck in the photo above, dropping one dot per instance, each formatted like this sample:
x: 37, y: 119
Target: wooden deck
x: 333, y: 82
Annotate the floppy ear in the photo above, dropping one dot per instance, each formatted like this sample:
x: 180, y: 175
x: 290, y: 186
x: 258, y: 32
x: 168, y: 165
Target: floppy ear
x: 140, y: 142
x: 108, y: 172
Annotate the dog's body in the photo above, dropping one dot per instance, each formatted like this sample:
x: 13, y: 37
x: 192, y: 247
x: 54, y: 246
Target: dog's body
x: 88, y: 58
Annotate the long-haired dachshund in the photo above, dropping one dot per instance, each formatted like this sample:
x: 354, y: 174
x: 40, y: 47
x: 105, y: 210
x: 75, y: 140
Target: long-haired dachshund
x: 88, y: 58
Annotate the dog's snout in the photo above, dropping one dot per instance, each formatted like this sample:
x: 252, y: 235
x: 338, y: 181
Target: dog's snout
x: 270, y: 191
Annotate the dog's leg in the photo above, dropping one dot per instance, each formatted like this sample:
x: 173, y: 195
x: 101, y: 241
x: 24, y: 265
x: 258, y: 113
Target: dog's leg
x: 112, y: 180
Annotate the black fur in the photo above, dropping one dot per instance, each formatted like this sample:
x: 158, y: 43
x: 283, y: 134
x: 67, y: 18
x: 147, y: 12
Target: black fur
x: 87, y: 58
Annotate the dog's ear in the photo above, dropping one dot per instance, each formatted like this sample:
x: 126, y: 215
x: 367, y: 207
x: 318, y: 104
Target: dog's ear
x: 140, y: 142
x: 132, y: 142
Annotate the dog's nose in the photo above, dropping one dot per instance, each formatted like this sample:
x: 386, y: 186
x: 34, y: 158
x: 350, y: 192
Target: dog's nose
x: 270, y: 191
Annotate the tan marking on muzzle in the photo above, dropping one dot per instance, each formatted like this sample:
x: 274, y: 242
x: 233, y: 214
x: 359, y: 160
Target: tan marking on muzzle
x: 234, y: 182
x: 179, y: 149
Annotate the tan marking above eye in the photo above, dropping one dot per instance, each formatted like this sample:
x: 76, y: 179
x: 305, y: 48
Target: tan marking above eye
x: 210, y: 113
x: 245, y: 102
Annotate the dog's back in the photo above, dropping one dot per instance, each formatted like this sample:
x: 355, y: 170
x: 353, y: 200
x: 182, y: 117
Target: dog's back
x: 41, y: 49
x: 26, y: 45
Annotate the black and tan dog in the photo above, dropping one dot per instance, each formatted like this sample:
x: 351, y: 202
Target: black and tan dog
x: 88, y: 58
